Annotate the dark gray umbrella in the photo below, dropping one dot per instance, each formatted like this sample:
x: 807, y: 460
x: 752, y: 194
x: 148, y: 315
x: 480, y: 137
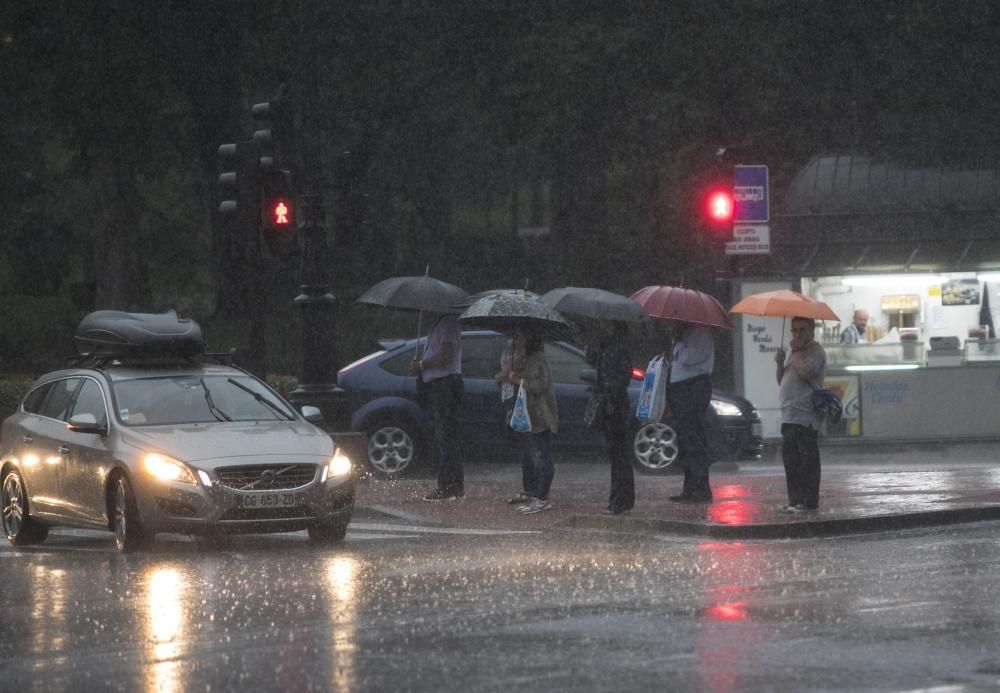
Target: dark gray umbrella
x: 508, y: 312
x: 415, y: 293
x: 594, y: 304
x: 472, y: 298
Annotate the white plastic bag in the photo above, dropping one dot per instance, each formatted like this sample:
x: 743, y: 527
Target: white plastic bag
x: 653, y: 396
x: 520, y: 420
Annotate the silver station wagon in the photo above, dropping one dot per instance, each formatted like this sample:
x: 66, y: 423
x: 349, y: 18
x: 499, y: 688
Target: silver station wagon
x: 140, y: 443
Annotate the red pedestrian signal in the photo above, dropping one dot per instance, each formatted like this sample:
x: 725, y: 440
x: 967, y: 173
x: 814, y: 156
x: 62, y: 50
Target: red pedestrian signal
x: 280, y: 213
x: 720, y: 206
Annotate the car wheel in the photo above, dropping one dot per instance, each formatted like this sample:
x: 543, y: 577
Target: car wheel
x: 20, y: 529
x: 393, y: 448
x: 129, y: 533
x: 328, y: 534
x: 654, y: 447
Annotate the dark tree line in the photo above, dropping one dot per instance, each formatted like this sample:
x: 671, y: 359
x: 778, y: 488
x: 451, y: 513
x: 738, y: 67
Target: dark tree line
x: 434, y: 131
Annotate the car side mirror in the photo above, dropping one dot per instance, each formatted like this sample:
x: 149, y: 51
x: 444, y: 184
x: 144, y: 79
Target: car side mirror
x: 312, y: 414
x: 589, y: 375
x: 86, y: 423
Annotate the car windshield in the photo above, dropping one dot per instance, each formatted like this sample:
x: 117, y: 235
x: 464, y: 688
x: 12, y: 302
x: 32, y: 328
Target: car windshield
x: 182, y: 399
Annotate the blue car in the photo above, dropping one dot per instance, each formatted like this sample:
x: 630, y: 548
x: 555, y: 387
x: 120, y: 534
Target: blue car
x: 381, y: 400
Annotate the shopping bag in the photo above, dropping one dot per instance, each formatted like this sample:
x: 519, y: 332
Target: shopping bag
x: 827, y: 402
x: 520, y: 420
x: 653, y: 396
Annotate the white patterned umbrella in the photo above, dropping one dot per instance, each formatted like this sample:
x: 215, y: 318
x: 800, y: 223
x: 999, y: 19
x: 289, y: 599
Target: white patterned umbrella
x: 511, y: 312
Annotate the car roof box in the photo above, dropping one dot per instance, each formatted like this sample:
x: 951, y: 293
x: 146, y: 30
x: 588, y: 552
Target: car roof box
x: 114, y: 332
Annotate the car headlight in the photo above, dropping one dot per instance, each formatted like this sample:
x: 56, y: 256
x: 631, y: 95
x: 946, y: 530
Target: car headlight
x: 339, y: 465
x: 167, y: 468
x: 725, y: 408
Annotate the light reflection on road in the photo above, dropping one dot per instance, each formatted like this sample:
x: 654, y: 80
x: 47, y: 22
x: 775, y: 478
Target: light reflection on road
x: 341, y: 577
x: 166, y: 628
x: 48, y: 611
x: 727, y: 637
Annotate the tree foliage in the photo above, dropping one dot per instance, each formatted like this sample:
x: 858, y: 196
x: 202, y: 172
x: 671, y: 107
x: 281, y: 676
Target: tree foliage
x: 434, y: 131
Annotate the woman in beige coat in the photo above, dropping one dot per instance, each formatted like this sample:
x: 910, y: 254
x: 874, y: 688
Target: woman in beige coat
x: 536, y: 379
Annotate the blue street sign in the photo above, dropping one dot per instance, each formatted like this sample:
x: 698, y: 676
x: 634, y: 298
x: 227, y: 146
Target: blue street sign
x: 750, y: 194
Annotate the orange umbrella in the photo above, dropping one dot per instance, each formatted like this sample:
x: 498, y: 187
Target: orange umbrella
x: 784, y: 304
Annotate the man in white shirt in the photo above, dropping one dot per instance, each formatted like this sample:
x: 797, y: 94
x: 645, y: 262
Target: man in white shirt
x: 440, y: 372
x: 689, y: 394
x: 855, y: 332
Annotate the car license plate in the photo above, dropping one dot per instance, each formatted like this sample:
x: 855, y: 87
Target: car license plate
x: 268, y: 500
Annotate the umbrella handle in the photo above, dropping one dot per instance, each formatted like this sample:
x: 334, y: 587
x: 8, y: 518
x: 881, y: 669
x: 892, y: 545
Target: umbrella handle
x: 781, y: 344
x: 420, y: 347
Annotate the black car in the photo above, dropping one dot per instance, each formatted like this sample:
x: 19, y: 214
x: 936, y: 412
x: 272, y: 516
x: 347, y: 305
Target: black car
x: 381, y: 398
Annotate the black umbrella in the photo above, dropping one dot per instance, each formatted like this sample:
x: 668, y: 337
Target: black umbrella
x: 508, y: 312
x: 594, y: 304
x: 985, y: 314
x: 415, y: 293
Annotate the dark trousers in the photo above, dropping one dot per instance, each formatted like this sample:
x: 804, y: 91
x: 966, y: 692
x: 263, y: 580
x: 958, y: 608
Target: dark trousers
x: 527, y: 464
x: 800, y: 455
x: 444, y: 396
x: 622, y: 495
x: 689, y: 401
x: 537, y: 468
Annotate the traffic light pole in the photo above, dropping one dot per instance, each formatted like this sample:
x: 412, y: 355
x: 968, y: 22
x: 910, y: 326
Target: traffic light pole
x: 316, y: 305
x: 242, y: 212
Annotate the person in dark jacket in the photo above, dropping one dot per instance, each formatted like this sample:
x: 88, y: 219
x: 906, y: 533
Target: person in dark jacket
x: 614, y: 373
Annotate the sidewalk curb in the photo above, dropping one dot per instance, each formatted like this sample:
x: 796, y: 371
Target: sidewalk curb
x: 794, y: 529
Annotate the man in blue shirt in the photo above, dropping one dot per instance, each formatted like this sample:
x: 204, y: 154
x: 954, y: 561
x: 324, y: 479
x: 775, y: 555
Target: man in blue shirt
x: 855, y: 332
x: 439, y: 371
x: 689, y: 395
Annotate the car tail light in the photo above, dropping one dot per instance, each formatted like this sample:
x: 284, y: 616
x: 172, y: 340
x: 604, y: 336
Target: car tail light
x: 638, y: 374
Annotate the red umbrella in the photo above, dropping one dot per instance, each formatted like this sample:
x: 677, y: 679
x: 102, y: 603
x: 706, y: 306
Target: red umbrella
x: 687, y: 305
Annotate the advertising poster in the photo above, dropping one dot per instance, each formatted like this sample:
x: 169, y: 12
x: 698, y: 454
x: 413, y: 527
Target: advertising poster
x: 846, y: 387
x: 960, y: 292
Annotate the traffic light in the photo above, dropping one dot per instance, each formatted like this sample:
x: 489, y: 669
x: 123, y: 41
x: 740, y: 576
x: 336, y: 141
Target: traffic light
x: 715, y: 204
x: 279, y: 227
x: 275, y: 132
x: 239, y: 181
x: 277, y: 196
x: 720, y: 206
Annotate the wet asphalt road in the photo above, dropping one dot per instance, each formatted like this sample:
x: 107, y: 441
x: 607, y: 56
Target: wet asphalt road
x: 418, y: 608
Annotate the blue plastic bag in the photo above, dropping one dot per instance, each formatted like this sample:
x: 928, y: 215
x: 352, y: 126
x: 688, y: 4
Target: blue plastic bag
x: 520, y: 420
x: 653, y: 396
x: 827, y: 402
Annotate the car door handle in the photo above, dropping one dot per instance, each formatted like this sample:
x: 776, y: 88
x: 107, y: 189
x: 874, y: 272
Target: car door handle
x: 64, y: 450
x: 27, y: 440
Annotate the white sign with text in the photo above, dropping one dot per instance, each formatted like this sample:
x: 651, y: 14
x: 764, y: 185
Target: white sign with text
x: 758, y: 339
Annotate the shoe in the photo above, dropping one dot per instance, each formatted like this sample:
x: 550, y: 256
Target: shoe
x: 521, y: 497
x: 536, y: 505
x: 801, y: 508
x: 690, y: 498
x: 439, y: 495
x: 616, y: 511
x: 785, y: 508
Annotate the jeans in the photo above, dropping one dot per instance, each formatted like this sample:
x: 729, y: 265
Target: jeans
x: 444, y: 396
x: 800, y: 455
x: 537, y: 467
x: 689, y: 401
